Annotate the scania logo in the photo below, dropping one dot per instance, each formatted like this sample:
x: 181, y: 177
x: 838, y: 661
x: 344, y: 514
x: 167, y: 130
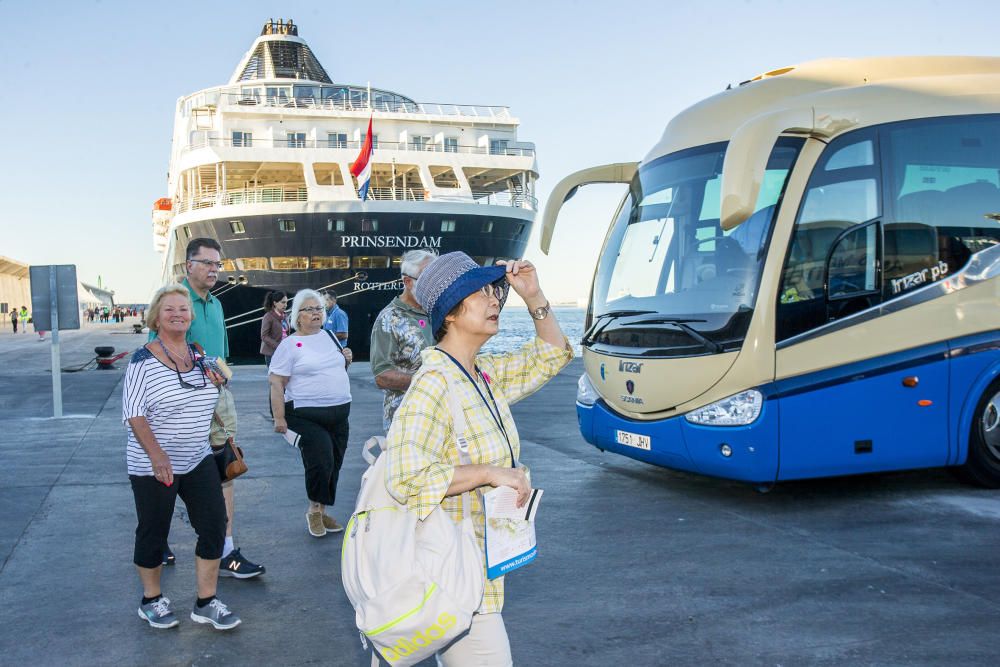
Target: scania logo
x: 630, y: 386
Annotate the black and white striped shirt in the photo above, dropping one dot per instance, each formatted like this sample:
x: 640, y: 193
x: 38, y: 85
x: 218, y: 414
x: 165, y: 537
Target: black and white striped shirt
x: 179, y: 417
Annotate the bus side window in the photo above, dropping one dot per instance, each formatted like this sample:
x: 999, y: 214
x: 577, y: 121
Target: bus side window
x: 843, y: 191
x: 944, y: 183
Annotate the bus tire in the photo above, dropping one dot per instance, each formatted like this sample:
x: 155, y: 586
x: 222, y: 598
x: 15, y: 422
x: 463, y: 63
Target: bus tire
x: 982, y: 466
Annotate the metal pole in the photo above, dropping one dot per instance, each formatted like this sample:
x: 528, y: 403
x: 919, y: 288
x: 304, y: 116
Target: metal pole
x: 57, y: 408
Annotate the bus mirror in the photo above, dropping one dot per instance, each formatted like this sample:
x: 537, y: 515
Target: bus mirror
x: 618, y: 172
x: 746, y: 158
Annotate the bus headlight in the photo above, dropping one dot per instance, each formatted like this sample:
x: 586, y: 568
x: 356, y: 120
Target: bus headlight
x: 586, y: 394
x: 738, y: 410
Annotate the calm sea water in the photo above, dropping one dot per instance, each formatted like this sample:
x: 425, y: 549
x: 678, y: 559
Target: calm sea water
x: 517, y: 328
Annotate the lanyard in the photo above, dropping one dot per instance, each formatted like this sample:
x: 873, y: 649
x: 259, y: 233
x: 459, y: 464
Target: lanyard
x: 496, y: 416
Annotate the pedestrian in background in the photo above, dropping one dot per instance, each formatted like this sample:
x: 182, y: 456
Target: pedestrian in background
x: 398, y: 335
x: 13, y: 319
x: 204, y: 261
x: 336, y: 318
x: 23, y: 317
x: 311, y: 395
x: 167, y: 402
x: 274, y: 325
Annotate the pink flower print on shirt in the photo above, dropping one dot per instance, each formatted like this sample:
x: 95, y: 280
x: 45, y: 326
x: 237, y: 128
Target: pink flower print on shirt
x: 298, y: 345
x: 422, y: 323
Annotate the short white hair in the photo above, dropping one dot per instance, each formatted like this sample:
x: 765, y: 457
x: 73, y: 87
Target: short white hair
x: 301, y: 297
x: 413, y: 261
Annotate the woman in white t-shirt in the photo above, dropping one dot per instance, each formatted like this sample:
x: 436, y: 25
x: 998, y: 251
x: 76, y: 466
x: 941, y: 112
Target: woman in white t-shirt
x: 311, y: 396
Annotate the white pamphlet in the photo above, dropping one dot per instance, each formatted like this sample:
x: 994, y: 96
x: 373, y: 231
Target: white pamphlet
x: 510, y: 530
x: 292, y: 438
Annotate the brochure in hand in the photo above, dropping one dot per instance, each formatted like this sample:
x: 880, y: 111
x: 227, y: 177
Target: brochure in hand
x: 292, y: 438
x: 510, y: 530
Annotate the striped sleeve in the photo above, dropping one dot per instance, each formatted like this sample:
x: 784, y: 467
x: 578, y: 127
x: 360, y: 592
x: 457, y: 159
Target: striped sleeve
x: 521, y: 373
x: 418, y: 472
x: 134, y: 392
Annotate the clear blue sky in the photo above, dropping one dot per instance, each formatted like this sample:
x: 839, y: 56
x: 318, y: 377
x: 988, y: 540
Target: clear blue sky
x: 90, y: 87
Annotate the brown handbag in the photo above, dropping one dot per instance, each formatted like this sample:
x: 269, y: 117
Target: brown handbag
x: 228, y: 457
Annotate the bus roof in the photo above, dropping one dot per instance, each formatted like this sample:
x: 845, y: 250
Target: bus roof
x: 868, y: 90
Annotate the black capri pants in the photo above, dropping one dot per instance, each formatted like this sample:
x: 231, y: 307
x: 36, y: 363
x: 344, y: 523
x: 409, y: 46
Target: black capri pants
x: 323, y: 443
x: 201, y: 491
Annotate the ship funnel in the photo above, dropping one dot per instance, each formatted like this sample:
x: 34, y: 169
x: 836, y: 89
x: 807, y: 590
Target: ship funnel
x: 279, y: 53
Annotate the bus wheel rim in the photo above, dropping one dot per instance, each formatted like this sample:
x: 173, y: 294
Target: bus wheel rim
x: 991, y: 426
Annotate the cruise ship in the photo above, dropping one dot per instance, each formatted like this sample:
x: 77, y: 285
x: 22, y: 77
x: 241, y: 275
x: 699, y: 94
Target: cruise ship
x: 263, y: 165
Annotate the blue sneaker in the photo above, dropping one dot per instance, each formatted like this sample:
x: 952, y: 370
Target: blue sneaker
x: 216, y: 613
x: 235, y: 565
x: 158, y: 613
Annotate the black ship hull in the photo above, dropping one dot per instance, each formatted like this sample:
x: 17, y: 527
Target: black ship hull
x: 356, y: 254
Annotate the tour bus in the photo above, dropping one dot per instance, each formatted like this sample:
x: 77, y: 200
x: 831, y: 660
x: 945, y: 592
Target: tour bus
x: 802, y: 278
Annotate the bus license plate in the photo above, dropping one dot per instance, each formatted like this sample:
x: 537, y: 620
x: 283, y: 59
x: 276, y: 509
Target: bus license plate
x: 633, y: 440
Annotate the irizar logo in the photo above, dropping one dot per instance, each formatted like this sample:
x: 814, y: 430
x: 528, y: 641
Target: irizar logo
x: 630, y: 366
x: 407, y: 646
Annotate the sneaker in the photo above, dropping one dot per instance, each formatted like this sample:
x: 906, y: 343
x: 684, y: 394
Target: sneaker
x: 235, y: 565
x: 216, y: 613
x: 315, y: 523
x: 158, y: 613
x: 331, y: 524
x: 168, y: 556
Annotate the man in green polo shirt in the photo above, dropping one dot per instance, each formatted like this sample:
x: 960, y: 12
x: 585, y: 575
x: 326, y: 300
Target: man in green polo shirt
x: 208, y: 329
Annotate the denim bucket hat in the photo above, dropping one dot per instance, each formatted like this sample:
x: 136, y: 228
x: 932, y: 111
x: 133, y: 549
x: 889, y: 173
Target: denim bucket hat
x: 450, y: 278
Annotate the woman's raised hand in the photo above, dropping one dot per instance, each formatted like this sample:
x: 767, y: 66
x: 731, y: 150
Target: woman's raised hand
x: 523, y: 278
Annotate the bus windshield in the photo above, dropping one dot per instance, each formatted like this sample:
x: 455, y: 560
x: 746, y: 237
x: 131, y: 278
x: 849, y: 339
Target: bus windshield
x: 668, y: 259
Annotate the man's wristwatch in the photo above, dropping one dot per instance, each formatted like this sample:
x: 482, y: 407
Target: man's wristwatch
x: 541, y: 312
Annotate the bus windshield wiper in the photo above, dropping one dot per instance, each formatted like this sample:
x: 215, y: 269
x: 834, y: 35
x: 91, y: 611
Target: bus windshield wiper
x: 610, y: 316
x: 683, y: 325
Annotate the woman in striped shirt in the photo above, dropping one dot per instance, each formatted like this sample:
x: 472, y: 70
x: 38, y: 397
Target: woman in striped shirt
x: 168, y: 402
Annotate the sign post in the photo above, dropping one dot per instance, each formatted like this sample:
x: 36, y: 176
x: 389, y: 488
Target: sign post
x: 55, y: 306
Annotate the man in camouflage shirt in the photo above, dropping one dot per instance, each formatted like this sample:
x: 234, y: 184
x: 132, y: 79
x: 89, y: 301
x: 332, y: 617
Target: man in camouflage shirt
x: 399, y: 333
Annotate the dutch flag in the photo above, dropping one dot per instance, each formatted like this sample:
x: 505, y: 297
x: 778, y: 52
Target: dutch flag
x: 362, y: 167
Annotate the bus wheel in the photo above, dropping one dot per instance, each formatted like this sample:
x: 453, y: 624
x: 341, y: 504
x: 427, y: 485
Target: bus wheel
x: 982, y: 466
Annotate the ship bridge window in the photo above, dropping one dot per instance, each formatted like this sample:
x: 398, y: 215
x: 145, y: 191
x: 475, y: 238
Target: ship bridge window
x: 447, y: 225
x: 420, y: 143
x: 444, y: 177
x: 330, y: 262
x: 338, y: 225
x: 286, y: 225
x: 336, y: 140
x: 237, y: 227
x: 276, y: 95
x: 242, y: 139
x: 451, y: 144
x: 289, y: 263
x: 373, y: 262
x: 296, y: 139
x: 369, y: 225
x: 328, y: 173
x: 252, y: 263
x: 498, y: 146
x: 416, y: 225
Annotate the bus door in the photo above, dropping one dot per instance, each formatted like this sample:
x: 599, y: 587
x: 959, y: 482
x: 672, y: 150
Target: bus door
x: 852, y: 399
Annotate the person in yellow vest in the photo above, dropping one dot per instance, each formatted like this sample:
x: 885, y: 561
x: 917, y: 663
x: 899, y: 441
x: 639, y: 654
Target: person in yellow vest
x: 24, y: 317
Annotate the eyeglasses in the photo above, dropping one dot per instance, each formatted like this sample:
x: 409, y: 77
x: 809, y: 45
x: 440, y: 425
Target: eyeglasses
x: 207, y: 262
x: 497, y: 290
x: 311, y: 309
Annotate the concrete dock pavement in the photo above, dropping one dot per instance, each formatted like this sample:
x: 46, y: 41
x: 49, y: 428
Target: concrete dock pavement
x: 637, y: 565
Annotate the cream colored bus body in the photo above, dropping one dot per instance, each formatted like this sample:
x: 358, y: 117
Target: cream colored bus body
x: 818, y: 100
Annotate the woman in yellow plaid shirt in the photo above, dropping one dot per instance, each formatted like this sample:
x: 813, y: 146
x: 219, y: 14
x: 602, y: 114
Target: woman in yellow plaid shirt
x: 424, y: 469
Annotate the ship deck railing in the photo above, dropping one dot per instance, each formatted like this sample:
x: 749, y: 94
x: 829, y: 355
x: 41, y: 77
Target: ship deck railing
x: 273, y: 195
x: 214, y: 142
x: 331, y: 104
